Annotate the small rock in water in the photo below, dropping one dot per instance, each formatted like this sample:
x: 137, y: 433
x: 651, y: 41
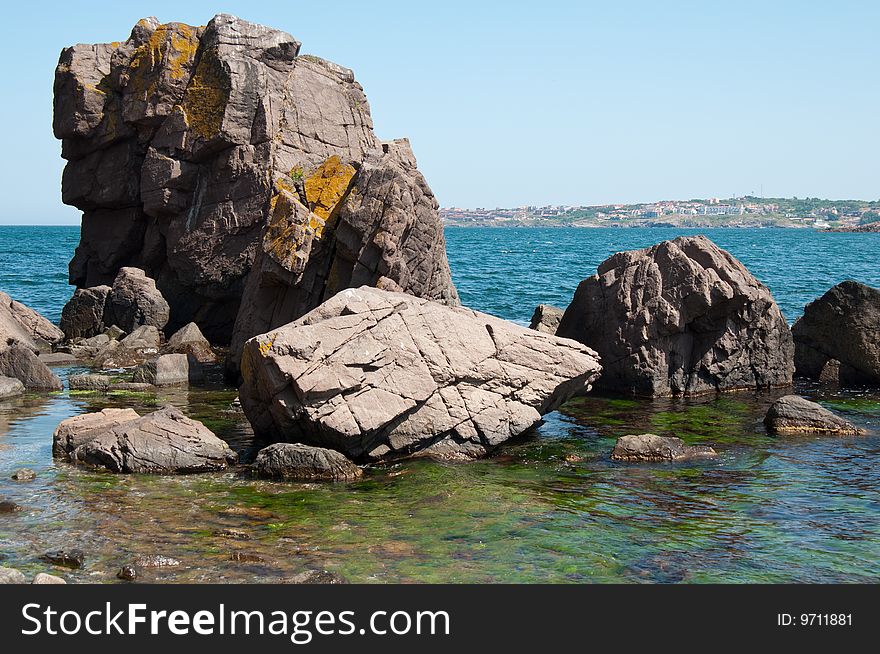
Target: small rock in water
x: 89, y: 382
x: 295, y: 461
x: 237, y: 534
x: 546, y: 318
x: 245, y: 557
x: 650, y: 447
x: 73, y: 559
x: 793, y: 414
x: 315, y: 577
x: 24, y: 474
x: 43, y: 578
x: 10, y: 387
x: 7, y: 506
x: 127, y: 573
x: 156, y: 561
x: 11, y: 576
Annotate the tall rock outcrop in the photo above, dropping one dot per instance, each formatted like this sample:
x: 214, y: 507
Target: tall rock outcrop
x: 195, y: 151
x: 682, y: 317
x: 839, y: 336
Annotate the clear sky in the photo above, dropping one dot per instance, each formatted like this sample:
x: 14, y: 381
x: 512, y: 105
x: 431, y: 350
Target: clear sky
x: 540, y: 102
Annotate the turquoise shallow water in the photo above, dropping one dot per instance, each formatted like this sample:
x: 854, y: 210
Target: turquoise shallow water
x: 551, y: 507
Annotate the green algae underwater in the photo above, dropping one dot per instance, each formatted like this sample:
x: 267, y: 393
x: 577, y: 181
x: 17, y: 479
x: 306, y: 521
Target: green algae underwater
x: 550, y: 507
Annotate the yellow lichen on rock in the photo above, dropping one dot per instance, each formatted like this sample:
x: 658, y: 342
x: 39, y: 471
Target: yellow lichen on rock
x: 287, y: 236
x: 205, y: 99
x: 326, y: 187
x: 171, y: 50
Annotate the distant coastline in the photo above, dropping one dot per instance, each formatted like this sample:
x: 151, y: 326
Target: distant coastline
x: 741, y: 212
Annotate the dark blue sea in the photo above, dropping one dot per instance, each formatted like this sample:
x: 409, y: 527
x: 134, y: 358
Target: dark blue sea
x: 508, y: 271
x: 550, y: 507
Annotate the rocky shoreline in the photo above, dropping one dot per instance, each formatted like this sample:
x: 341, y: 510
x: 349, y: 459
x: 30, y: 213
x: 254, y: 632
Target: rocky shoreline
x: 230, y: 222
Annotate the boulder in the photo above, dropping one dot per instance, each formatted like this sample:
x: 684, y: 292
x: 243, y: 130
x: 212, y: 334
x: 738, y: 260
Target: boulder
x: 838, y: 337
x: 169, y: 370
x: 43, y: 578
x: 190, y: 340
x: 650, y: 447
x: 83, y: 315
x: 793, y: 414
x: 114, y: 333
x: 134, y: 349
x: 134, y: 301
x: 181, y: 143
x: 162, y: 442
x: 683, y: 317
x: 99, y: 383
x: 21, y: 363
x: 10, y: 387
x: 380, y: 375
x: 11, y: 576
x: 546, y: 318
x: 295, y: 461
x: 75, y: 431
x: 36, y: 329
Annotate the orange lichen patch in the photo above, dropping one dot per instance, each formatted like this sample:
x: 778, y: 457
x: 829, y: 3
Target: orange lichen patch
x: 168, y: 53
x: 287, y: 238
x: 326, y: 187
x: 206, y: 97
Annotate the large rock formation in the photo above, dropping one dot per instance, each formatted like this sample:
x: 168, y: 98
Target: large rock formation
x: 193, y: 151
x: 379, y: 375
x: 838, y: 337
x: 680, y: 317
x: 83, y: 315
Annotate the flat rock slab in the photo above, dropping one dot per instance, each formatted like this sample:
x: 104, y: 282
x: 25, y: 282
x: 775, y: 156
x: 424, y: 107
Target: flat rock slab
x: 793, y: 414
x: 379, y: 375
x: 162, y: 442
x: 58, y: 359
x: 298, y: 462
x: 89, y: 382
x: 682, y: 317
x: 650, y: 447
x: 75, y: 431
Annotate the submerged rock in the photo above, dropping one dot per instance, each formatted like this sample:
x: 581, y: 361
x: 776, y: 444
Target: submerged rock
x: 74, y: 558
x: 190, y: 340
x: 83, y: 315
x: 75, y: 431
x: 838, y: 337
x: 295, y: 461
x: 379, y: 375
x: 793, y: 414
x: 680, y: 317
x: 21, y: 363
x: 184, y: 143
x: 162, y: 442
x: 8, y: 506
x: 169, y: 370
x: 650, y: 447
x: 546, y: 318
x: 24, y: 474
x: 156, y: 561
x: 10, y: 387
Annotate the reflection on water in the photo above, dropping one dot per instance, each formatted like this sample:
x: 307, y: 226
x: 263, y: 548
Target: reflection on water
x: 551, y: 507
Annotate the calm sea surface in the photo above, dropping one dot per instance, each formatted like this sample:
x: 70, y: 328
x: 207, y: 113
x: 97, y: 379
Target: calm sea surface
x: 551, y: 507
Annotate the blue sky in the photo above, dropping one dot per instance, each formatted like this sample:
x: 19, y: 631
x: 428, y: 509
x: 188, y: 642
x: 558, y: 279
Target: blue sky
x: 511, y: 103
